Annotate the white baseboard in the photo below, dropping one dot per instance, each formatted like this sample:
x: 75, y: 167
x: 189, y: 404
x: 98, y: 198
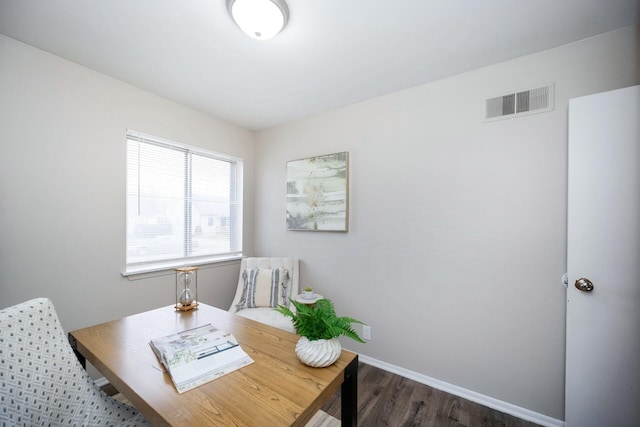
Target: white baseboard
x: 490, y: 402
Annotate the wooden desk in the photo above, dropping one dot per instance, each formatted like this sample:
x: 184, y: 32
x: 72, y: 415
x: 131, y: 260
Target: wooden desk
x: 276, y: 390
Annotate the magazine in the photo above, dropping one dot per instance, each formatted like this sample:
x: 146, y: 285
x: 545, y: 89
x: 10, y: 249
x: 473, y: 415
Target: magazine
x: 199, y: 355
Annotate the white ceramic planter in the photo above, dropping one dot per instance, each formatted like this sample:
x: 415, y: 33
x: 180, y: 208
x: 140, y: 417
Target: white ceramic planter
x: 318, y: 353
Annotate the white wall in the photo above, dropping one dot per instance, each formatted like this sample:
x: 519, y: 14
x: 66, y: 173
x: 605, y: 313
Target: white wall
x: 62, y: 186
x: 457, y: 235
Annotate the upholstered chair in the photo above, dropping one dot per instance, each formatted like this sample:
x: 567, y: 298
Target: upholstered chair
x: 42, y: 383
x: 263, y: 284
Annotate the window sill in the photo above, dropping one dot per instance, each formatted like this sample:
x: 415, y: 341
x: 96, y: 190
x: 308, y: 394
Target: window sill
x: 161, y: 269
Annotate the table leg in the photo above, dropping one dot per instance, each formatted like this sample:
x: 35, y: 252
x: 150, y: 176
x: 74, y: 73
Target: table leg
x: 349, y: 395
x: 74, y: 347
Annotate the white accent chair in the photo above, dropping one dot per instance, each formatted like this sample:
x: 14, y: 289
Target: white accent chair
x: 267, y: 315
x: 42, y: 383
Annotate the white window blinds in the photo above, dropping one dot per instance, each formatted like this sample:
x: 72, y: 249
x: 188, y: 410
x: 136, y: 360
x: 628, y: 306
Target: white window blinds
x: 183, y: 205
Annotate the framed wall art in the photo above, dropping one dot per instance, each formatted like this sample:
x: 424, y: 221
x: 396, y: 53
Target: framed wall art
x: 318, y: 193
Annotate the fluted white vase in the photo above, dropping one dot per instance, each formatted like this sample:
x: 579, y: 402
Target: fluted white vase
x: 318, y: 353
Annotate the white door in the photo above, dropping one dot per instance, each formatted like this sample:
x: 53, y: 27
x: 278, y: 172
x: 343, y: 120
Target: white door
x: 603, y: 247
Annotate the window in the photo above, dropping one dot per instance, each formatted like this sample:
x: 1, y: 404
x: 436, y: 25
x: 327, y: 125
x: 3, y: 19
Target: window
x: 184, y: 205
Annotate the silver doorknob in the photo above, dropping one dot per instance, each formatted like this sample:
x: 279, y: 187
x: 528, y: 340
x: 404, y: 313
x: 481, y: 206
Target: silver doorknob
x: 584, y: 285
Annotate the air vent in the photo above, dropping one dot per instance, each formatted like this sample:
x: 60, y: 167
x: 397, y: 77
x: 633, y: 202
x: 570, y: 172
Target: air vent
x: 521, y: 103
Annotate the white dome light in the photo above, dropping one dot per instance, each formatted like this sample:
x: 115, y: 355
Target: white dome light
x: 260, y: 19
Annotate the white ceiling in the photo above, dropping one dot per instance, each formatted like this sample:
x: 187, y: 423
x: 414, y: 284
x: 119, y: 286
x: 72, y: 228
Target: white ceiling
x: 332, y: 52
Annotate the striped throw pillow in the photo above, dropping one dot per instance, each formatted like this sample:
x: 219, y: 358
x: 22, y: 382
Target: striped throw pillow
x: 264, y: 288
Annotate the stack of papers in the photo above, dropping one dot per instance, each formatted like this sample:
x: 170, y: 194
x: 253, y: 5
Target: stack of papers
x: 197, y: 356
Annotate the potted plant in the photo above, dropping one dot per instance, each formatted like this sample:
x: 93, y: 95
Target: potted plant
x: 308, y: 293
x: 319, y: 328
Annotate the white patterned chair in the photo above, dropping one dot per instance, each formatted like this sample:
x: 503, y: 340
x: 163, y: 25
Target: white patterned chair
x: 42, y: 382
x: 283, y: 285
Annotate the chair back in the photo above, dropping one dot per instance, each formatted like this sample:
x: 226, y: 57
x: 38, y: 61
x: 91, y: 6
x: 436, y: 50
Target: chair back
x: 41, y: 380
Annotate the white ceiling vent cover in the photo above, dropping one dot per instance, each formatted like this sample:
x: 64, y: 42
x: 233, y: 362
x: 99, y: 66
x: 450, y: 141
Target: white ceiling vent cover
x: 521, y: 103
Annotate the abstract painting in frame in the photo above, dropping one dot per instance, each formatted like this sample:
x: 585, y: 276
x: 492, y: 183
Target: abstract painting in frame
x: 318, y: 193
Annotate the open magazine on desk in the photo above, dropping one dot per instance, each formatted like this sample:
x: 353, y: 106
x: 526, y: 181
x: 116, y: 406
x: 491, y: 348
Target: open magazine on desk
x: 199, y: 355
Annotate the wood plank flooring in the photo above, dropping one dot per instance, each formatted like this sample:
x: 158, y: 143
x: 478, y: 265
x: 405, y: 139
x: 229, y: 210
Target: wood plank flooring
x: 387, y: 399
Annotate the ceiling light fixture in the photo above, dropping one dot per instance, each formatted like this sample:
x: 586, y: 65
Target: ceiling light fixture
x: 260, y: 19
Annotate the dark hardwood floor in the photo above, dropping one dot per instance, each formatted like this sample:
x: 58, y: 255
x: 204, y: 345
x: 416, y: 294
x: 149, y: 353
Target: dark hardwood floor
x: 387, y: 399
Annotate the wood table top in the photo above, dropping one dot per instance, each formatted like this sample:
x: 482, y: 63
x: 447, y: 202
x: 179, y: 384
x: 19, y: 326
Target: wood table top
x: 275, y: 390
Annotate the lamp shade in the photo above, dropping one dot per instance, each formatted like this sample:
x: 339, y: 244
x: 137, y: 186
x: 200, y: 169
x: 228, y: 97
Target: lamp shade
x: 260, y: 19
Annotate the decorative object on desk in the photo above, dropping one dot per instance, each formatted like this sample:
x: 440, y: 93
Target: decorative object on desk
x: 186, y: 288
x: 318, y: 353
x: 318, y: 193
x: 197, y: 356
x: 319, y: 328
x: 308, y: 293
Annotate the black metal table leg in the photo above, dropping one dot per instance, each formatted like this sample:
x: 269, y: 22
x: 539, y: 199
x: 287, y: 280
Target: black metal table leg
x: 74, y: 347
x: 349, y: 395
